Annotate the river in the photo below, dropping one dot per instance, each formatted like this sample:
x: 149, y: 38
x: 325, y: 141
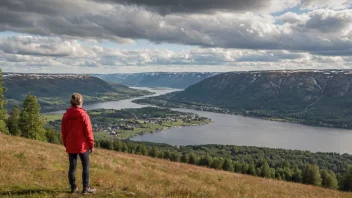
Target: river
x: 239, y: 130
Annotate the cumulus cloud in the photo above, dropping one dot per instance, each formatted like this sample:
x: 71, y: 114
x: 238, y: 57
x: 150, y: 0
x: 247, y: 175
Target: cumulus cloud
x: 210, y: 6
x: 227, y: 30
x: 329, y: 21
x: 331, y: 4
x: 223, y: 33
x: 293, y: 18
x: 29, y: 45
x: 32, y: 49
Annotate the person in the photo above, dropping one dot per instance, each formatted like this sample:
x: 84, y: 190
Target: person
x: 77, y: 137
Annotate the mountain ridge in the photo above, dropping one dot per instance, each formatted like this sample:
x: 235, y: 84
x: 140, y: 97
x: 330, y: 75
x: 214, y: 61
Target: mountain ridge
x: 315, y: 97
x: 54, y: 90
x: 157, y: 79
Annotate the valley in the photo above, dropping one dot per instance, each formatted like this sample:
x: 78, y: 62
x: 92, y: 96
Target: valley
x: 54, y: 90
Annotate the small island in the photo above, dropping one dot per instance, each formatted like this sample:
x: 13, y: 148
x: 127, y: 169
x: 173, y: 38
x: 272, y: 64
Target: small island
x: 127, y: 123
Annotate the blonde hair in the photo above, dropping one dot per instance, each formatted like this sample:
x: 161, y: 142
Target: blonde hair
x: 76, y: 99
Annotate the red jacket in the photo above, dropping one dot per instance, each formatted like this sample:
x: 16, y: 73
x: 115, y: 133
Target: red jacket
x: 76, y: 131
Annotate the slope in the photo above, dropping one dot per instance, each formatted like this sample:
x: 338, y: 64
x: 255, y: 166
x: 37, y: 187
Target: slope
x: 35, y: 169
x: 179, y: 80
x: 321, y: 97
x: 47, y: 86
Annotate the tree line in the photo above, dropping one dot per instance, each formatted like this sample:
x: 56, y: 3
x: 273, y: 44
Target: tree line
x: 305, y: 173
x: 26, y: 121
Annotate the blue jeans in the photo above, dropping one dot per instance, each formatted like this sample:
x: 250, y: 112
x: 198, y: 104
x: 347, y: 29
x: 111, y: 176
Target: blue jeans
x: 72, y: 169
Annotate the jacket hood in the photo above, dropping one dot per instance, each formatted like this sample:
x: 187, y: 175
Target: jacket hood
x: 74, y: 112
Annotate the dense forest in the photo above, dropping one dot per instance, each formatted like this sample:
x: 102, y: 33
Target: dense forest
x: 329, y: 170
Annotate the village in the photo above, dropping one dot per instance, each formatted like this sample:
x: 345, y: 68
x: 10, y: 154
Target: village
x: 127, y: 123
x: 148, y: 124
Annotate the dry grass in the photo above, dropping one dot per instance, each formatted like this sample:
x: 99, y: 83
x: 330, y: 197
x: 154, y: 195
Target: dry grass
x: 36, y: 169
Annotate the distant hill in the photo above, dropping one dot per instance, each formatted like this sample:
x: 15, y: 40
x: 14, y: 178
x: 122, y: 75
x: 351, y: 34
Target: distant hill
x: 157, y: 79
x: 322, y: 97
x: 31, y: 168
x: 54, y: 91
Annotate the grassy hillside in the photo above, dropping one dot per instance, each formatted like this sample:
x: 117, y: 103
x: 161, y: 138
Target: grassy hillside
x: 35, y: 169
x: 53, y: 91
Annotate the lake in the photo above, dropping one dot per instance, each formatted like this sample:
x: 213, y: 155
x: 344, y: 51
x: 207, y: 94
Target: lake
x: 239, y: 130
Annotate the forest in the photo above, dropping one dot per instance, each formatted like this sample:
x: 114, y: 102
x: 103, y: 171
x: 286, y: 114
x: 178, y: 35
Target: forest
x: 329, y: 170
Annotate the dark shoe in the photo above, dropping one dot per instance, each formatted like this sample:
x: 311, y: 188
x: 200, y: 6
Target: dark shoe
x: 74, y: 190
x: 89, y: 190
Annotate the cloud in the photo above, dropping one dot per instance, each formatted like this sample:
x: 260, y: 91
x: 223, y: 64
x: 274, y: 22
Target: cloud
x: 33, y: 50
x: 232, y: 34
x: 330, y: 4
x: 210, y: 6
x: 322, y: 32
x: 40, y: 46
x: 329, y: 21
x: 293, y: 18
x: 62, y: 18
x: 57, y: 55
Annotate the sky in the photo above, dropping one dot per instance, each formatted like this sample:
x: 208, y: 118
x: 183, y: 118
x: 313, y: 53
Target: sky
x: 130, y: 36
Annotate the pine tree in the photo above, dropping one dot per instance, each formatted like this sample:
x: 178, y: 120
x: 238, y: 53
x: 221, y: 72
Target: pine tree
x: 160, y: 155
x: 245, y: 168
x: 237, y: 166
x: 288, y: 173
x: 124, y: 147
x: 117, y: 145
x: 311, y: 175
x: 346, y: 180
x: 31, y: 124
x: 252, y: 169
x: 175, y: 157
x: 167, y: 154
x: 297, y: 175
x: 272, y: 172
x: 227, y: 166
x: 131, y: 147
x: 52, y: 136
x: 192, y: 159
x: 278, y: 176
x: 265, y: 170
x: 13, y: 121
x: 185, y: 158
x: 153, y: 152
x: 206, y: 161
x: 3, y: 112
x: 328, y: 179
x: 217, y: 163
x: 144, y: 150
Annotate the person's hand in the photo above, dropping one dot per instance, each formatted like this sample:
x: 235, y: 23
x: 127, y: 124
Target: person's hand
x: 91, y: 151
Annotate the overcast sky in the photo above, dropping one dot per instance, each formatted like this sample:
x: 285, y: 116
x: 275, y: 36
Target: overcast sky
x: 111, y: 36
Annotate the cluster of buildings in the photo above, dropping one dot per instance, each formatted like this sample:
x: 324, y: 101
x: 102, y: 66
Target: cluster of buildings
x: 114, y: 128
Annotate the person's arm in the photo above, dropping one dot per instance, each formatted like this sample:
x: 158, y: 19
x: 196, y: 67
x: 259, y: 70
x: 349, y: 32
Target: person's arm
x: 88, y: 130
x: 63, y: 130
